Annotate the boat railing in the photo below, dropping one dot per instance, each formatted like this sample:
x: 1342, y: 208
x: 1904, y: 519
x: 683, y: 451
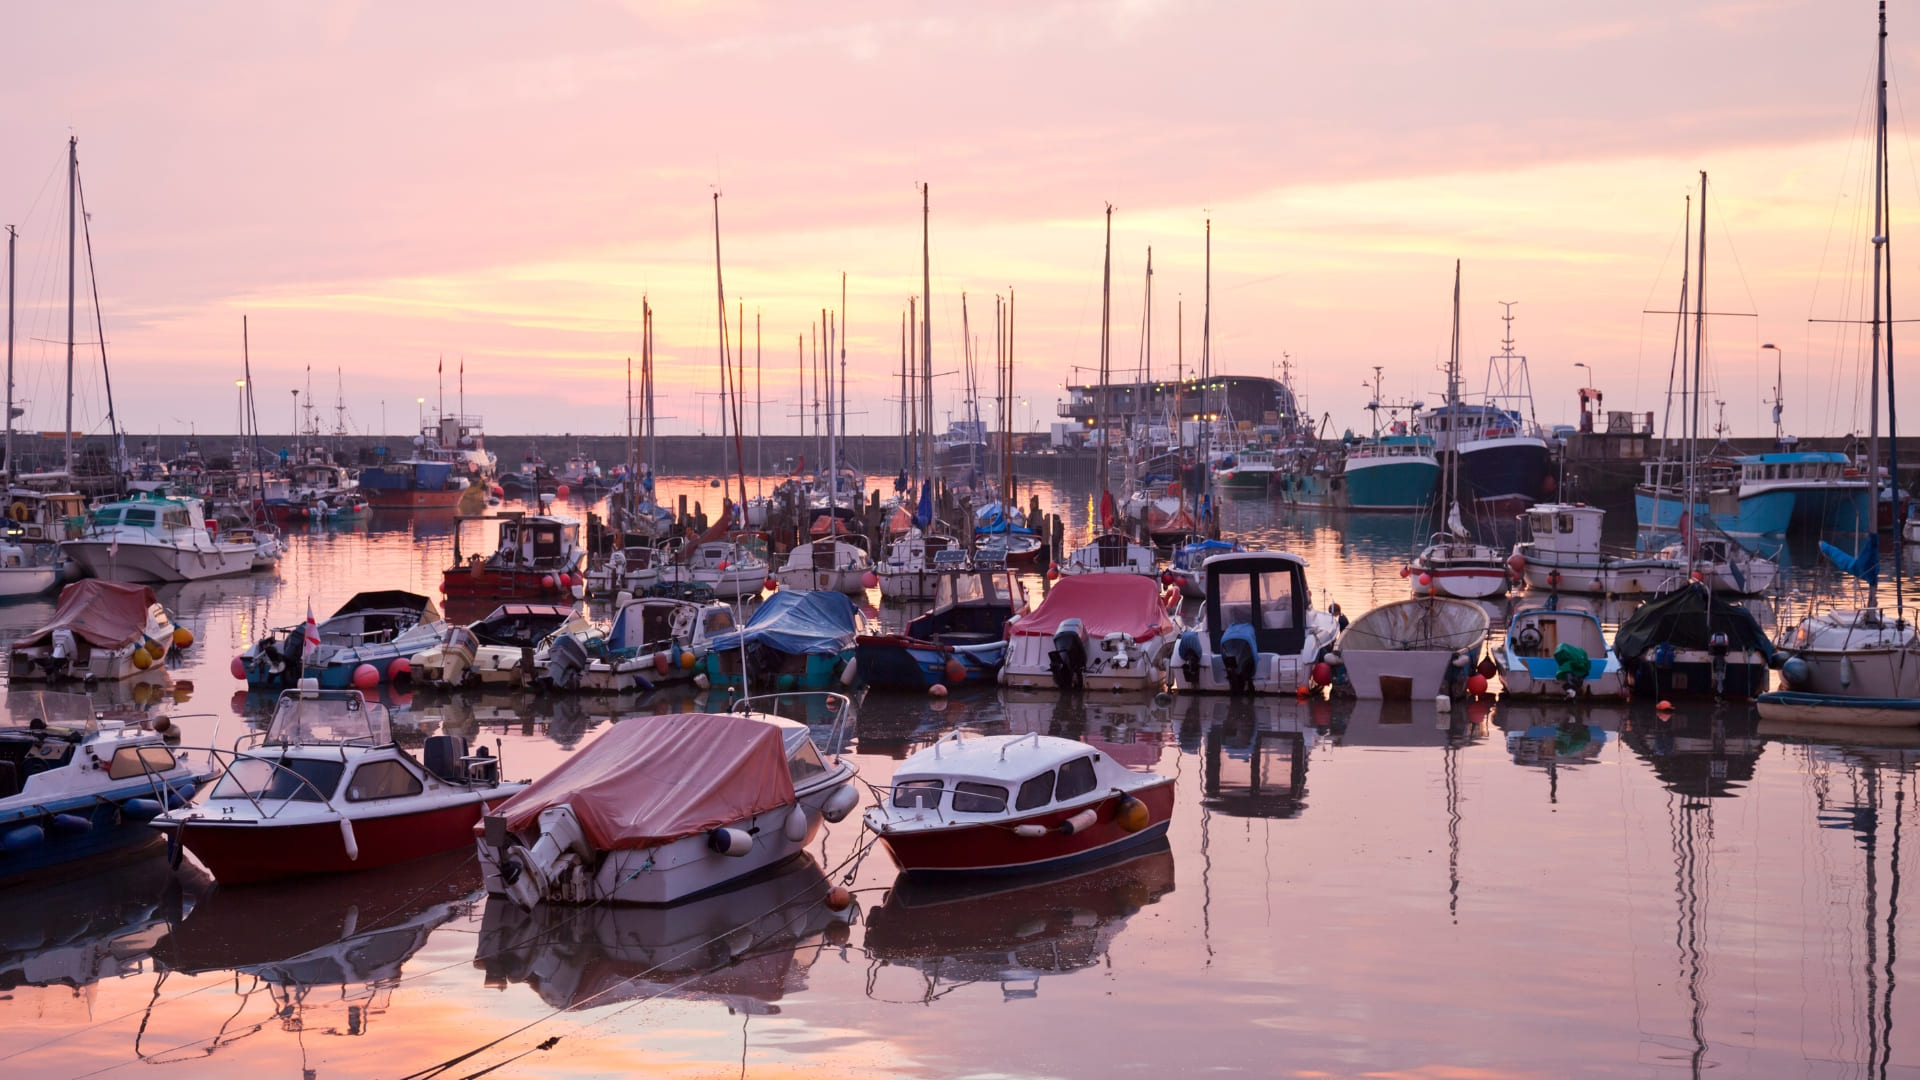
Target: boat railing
x: 932, y: 798
x: 839, y: 705
x: 217, y: 756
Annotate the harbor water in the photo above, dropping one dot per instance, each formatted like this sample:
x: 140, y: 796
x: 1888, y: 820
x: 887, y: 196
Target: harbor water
x: 1347, y: 888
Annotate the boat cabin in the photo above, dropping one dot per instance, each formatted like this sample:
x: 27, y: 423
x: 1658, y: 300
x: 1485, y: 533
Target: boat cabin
x: 1001, y: 775
x: 969, y: 605
x: 538, y: 542
x: 373, y: 617
x: 153, y: 514
x: 1564, y: 528
x: 1264, y: 590
x: 520, y: 625
x: 647, y: 623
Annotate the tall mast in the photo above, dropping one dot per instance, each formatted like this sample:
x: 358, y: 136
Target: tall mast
x: 13, y: 235
x: 1699, y: 347
x: 759, y: 413
x: 720, y: 292
x: 926, y: 325
x: 906, y: 448
x: 73, y: 174
x: 1146, y: 388
x: 1450, y: 491
x: 833, y: 441
x: 1008, y: 492
x: 1206, y: 374
x: 1882, y: 278
x: 1106, y: 306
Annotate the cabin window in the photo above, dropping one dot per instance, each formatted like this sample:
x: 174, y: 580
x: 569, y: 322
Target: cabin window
x: 1236, y: 599
x: 1035, y: 792
x: 1076, y: 779
x: 546, y: 543
x: 299, y: 779
x: 139, y: 517
x: 1565, y: 524
x: 131, y: 761
x: 109, y: 516
x: 973, y: 798
x: 382, y: 780
x: 175, y: 519
x: 804, y: 762
x: 918, y: 794
x: 966, y: 589
x: 1276, y: 601
x: 719, y: 622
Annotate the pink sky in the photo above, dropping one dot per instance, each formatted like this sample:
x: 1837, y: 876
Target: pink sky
x: 378, y: 185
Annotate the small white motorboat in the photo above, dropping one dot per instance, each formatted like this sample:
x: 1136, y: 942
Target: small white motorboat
x: 23, y: 573
x: 1462, y: 569
x: 100, y: 630
x: 1112, y: 553
x: 1414, y: 649
x: 1533, y: 663
x: 654, y: 639
x: 1258, y: 631
x: 632, y: 569
x: 156, y: 539
x: 729, y: 567
x: 1726, y: 567
x: 1562, y: 553
x: 916, y: 562
x: 1095, y: 632
x: 497, y: 651
x: 839, y: 564
x: 661, y: 808
x: 1000, y: 803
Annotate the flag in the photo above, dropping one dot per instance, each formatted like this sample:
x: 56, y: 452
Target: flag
x: 310, y: 631
x: 1865, y: 566
x: 1107, y: 514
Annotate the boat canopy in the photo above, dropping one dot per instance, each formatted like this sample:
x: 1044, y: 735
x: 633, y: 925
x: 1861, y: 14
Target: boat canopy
x: 651, y: 781
x: 105, y: 614
x: 1418, y: 626
x: 821, y: 622
x: 311, y: 717
x: 389, y: 600
x: 1104, y: 604
x: 1688, y: 618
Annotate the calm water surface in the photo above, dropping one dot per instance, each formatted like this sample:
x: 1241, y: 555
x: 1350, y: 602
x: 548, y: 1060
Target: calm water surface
x: 1346, y: 889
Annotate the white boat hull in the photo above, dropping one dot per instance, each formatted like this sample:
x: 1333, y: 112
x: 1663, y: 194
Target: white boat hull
x: 1888, y: 672
x: 158, y: 564
x: 28, y: 580
x: 851, y: 581
x: 1419, y: 675
x: 1629, y: 577
x: 1142, y: 665
x: 908, y: 584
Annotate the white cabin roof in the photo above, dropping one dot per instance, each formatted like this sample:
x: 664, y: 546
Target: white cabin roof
x: 1003, y: 758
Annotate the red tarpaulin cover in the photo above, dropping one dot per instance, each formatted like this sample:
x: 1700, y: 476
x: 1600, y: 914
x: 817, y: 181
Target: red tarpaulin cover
x: 653, y: 780
x: 105, y: 614
x: 1104, y: 604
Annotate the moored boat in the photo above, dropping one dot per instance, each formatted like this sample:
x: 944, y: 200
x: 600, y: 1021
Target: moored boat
x: 1258, y: 631
x: 654, y: 640
x: 1094, y: 632
x: 1562, y: 552
x: 325, y: 789
x: 96, y: 631
x: 1015, y: 803
x: 1690, y: 643
x: 495, y: 651
x: 963, y: 639
x: 1558, y: 651
x: 539, y: 557
x: 1414, y: 649
x: 380, y: 630
x: 841, y: 564
x: 1112, y: 553
x: 792, y: 641
x: 155, y: 539
x: 662, y: 808
x: 916, y: 562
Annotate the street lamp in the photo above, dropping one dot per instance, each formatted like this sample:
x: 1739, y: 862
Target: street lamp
x: 1779, y: 367
x: 419, y: 413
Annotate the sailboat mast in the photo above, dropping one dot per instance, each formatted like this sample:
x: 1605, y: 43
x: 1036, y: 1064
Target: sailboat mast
x: 833, y: 433
x: 1106, y: 306
x: 73, y: 174
x: 1007, y: 491
x: 1206, y: 378
x: 1699, y: 347
x: 759, y: 414
x: 13, y: 235
x: 1450, y: 493
x: 926, y: 326
x: 720, y: 293
x: 906, y: 449
x: 1883, y: 278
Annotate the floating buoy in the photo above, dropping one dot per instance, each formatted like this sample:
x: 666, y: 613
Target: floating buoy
x: 1476, y: 683
x: 182, y: 637
x: 1301, y: 692
x: 366, y: 677
x: 771, y: 583
x: 401, y: 668
x: 839, y: 898
x: 937, y: 690
x: 1053, y: 573
x: 1322, y: 673
x: 141, y: 660
x: 239, y: 668
x: 1132, y: 814
x: 546, y: 581
x: 869, y: 580
x: 562, y: 491
x: 1664, y: 706
x: 956, y: 671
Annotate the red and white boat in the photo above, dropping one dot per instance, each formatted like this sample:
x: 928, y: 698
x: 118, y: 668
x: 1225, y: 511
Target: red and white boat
x: 1015, y: 803
x: 539, y: 558
x: 1094, y: 632
x: 326, y: 789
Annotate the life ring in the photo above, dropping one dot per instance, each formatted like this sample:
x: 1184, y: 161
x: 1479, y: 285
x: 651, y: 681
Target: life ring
x: 20, y: 511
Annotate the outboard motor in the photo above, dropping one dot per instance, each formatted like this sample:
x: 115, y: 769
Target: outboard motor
x: 1068, y: 659
x: 1718, y: 647
x: 1239, y: 657
x: 566, y: 659
x: 66, y: 651
x: 1190, y: 657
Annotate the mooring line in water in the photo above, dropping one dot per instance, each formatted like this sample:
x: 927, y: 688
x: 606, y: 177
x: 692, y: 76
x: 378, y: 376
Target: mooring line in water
x: 796, y: 902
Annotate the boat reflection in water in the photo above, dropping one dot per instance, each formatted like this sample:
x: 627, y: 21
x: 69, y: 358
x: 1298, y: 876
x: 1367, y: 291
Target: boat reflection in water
x: 1704, y: 754
x: 99, y: 926
x: 1255, y: 749
x: 746, y: 947
x: 328, y: 952
x: 1009, y: 930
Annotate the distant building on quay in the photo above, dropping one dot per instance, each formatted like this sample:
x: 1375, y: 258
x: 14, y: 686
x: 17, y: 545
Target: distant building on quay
x: 1249, y: 403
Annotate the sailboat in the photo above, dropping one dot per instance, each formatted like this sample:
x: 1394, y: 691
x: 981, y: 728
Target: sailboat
x: 21, y: 573
x: 1453, y: 564
x: 1861, y: 667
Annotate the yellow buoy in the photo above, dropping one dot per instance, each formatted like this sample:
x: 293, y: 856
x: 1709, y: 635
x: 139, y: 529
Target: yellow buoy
x: 686, y: 659
x: 141, y: 660
x: 1132, y: 814
x: 182, y: 637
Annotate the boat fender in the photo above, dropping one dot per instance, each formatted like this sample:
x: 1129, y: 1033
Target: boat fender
x: 1030, y: 832
x: 840, y: 803
x: 70, y: 824
x: 22, y: 838
x: 702, y: 681
x: 1795, y: 672
x: 348, y: 840
x: 796, y: 824
x: 1078, y: 823
x: 141, y: 809
x: 1443, y: 703
x: 1132, y: 814
x: 733, y: 843
x: 851, y: 672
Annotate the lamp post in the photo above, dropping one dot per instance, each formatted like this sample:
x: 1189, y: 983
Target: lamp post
x: 1779, y: 368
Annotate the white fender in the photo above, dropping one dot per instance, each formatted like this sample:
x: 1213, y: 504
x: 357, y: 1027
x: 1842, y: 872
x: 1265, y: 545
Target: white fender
x: 730, y: 842
x: 796, y: 824
x: 1030, y: 832
x: 840, y: 803
x: 1080, y: 822
x: 347, y: 838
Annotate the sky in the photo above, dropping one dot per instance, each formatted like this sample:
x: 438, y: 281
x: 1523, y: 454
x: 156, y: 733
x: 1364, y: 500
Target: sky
x: 382, y: 188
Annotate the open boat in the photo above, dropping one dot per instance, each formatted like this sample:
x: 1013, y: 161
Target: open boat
x: 1258, y: 632
x: 378, y: 629
x: 1096, y: 632
x: 325, y: 789
x: 1460, y: 568
x: 1415, y: 649
x: 654, y: 640
x: 1000, y: 803
x: 75, y: 788
x: 96, y: 629
x: 496, y: 651
x: 1558, y: 651
x: 662, y: 808
x: 1691, y: 643
x: 963, y: 639
x: 792, y: 641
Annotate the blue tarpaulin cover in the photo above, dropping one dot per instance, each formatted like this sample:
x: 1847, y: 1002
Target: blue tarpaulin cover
x: 797, y: 623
